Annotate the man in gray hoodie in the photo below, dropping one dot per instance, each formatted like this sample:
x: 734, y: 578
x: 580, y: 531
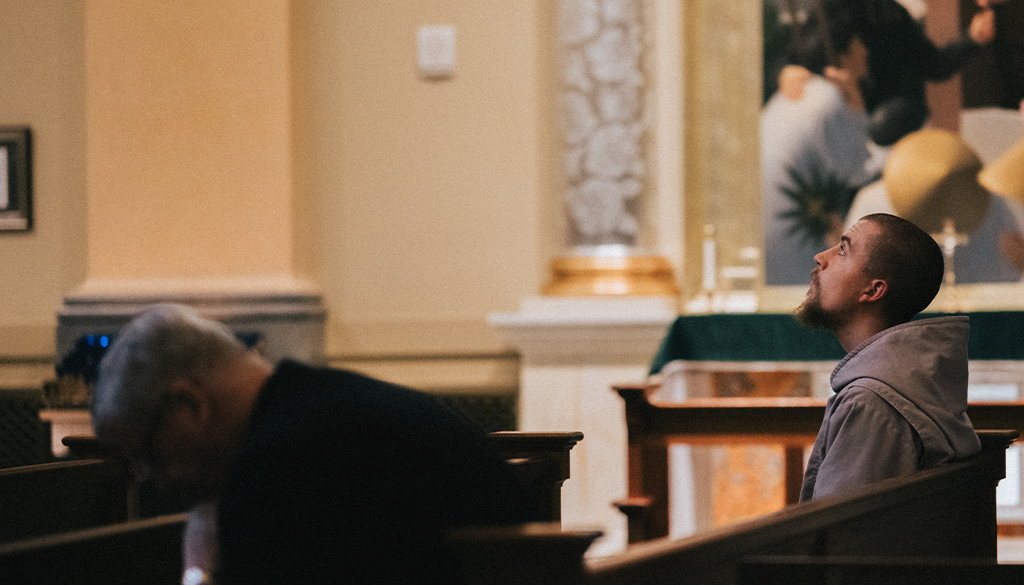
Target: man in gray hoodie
x: 900, y: 397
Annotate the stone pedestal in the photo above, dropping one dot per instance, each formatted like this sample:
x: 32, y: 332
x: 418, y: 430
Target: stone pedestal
x: 289, y: 321
x: 573, y: 350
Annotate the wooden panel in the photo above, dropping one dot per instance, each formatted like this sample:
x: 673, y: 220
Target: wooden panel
x: 142, y: 551
x: 56, y: 497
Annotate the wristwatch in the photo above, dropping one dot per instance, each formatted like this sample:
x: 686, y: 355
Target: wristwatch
x: 196, y: 576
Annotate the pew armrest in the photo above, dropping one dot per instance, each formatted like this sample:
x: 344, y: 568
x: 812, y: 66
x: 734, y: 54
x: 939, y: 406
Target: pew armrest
x: 542, y: 462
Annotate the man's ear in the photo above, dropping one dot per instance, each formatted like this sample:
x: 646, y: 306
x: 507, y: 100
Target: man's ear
x: 874, y: 291
x: 189, y: 399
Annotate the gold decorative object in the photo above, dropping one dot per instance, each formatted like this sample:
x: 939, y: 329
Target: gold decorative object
x: 931, y: 177
x: 1005, y: 175
x: 67, y: 391
x: 577, y: 276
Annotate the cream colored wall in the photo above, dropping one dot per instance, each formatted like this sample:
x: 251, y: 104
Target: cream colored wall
x: 41, y: 65
x: 188, y: 137
x: 419, y: 206
x: 423, y: 204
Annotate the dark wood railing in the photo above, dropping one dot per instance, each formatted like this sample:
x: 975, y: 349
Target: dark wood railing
x: 790, y: 422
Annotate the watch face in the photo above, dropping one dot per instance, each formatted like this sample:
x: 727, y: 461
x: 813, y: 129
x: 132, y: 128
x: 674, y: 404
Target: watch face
x: 195, y: 576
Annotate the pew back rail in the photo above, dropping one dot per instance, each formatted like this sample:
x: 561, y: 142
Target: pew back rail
x: 944, y: 512
x: 62, y: 496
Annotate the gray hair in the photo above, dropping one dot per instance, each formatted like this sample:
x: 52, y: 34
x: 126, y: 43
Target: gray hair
x: 162, y: 343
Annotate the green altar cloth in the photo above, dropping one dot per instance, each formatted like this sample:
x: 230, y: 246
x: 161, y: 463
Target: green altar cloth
x: 776, y: 337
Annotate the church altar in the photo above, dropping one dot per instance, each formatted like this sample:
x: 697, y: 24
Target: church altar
x: 574, y: 350
x: 777, y: 337
x: 770, y: 355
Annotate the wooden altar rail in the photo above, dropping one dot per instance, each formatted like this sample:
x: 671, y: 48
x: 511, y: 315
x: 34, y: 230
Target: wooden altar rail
x: 938, y: 524
x: 790, y: 422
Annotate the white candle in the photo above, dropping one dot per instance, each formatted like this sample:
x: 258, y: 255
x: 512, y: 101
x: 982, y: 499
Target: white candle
x: 709, y: 258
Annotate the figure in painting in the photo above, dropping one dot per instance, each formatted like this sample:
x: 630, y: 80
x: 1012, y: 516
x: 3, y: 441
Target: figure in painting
x: 851, y: 82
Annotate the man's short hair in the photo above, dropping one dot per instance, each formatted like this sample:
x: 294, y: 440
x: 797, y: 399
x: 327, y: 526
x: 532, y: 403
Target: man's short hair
x: 160, y: 344
x: 911, y: 263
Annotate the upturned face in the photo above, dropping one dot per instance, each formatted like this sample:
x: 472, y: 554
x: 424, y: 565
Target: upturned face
x: 840, y: 278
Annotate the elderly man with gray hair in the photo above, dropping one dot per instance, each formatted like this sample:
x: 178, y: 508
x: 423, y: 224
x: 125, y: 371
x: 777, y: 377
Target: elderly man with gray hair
x: 303, y: 474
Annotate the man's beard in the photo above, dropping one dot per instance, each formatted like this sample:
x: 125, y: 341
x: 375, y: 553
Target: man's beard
x: 810, y: 313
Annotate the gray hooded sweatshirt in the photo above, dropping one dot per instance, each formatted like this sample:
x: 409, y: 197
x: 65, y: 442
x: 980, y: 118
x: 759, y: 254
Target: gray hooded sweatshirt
x: 900, y: 405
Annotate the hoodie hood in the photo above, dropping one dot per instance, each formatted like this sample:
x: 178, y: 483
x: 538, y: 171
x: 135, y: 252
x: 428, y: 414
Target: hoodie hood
x: 920, y: 368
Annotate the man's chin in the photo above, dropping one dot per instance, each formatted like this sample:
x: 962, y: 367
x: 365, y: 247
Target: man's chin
x: 810, y: 314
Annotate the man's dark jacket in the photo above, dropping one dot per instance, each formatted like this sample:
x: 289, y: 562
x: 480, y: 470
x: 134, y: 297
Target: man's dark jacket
x: 347, y: 479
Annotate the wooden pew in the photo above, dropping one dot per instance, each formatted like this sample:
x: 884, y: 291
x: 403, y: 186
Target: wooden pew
x: 138, y: 552
x: 63, y: 496
x: 537, y: 554
x: 790, y: 422
x: 938, y: 522
x: 542, y: 461
x: 24, y: 436
x: 53, y: 503
x: 780, y: 570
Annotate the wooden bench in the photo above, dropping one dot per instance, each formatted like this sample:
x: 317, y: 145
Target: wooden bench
x: 24, y: 436
x: 542, y: 461
x: 938, y: 522
x: 790, y: 422
x: 84, y: 512
x: 63, y: 496
x: 129, y: 553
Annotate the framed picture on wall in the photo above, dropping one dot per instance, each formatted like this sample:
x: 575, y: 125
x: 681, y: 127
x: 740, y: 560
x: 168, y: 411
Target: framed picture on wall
x: 15, y: 178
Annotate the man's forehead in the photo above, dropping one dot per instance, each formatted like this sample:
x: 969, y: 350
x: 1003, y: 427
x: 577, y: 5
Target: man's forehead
x: 860, y: 235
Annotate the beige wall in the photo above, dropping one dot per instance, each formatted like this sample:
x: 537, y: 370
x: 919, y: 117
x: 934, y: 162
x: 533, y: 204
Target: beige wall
x: 418, y: 207
x: 423, y: 203
x: 188, y: 138
x: 42, y: 68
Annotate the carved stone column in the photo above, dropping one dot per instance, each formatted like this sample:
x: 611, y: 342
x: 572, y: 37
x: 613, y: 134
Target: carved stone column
x: 602, y: 93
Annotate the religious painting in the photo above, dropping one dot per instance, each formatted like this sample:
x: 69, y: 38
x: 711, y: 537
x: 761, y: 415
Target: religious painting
x: 15, y: 179
x: 846, y: 130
